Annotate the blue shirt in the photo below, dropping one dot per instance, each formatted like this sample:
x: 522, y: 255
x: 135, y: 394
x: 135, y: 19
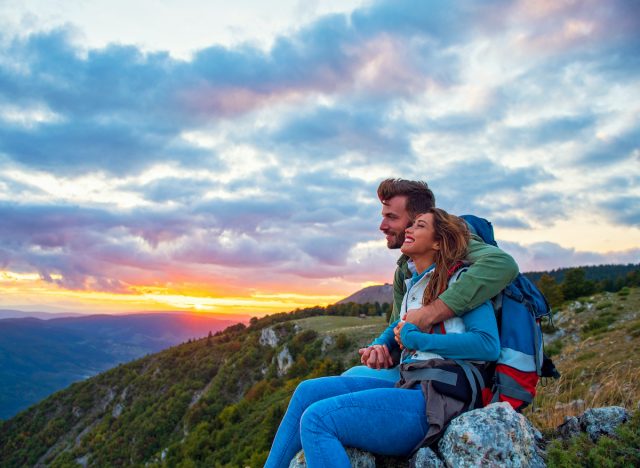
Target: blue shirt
x: 479, y: 342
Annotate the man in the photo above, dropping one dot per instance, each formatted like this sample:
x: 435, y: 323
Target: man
x: 491, y: 270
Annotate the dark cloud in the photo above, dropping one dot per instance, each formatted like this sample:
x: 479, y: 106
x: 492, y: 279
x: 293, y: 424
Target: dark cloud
x: 624, y: 209
x: 174, y: 189
x: 614, y: 149
x: 465, y: 183
x: 548, y: 255
x: 327, y: 132
x: 459, y: 124
x: 553, y: 130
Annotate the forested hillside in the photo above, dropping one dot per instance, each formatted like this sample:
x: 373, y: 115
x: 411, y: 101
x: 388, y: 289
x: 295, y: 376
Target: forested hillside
x: 213, y: 401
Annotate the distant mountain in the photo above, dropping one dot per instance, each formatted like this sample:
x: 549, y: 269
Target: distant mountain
x: 369, y: 295
x: 38, y: 357
x: 10, y: 313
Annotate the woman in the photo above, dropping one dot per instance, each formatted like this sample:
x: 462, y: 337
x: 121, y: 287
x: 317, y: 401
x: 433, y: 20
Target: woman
x: 330, y: 413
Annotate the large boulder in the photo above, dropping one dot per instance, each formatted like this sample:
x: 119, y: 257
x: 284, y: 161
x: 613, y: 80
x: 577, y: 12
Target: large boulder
x: 492, y: 436
x: 426, y: 458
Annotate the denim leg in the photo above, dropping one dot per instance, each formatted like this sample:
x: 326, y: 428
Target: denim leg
x: 387, y: 421
x: 287, y: 440
x: 392, y: 373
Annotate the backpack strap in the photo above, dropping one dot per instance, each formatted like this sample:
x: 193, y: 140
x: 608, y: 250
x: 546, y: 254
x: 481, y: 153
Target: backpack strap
x: 508, y: 386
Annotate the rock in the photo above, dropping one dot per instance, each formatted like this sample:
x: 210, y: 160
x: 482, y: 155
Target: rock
x: 551, y: 337
x: 327, y: 341
x: 358, y: 459
x: 268, y: 337
x: 77, y: 412
x: 117, y: 410
x: 426, y: 458
x: 602, y: 421
x: 492, y: 436
x: 285, y: 361
x: 569, y: 428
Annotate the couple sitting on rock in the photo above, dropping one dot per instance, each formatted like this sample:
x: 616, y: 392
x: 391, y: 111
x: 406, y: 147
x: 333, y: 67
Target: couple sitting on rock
x: 439, y: 319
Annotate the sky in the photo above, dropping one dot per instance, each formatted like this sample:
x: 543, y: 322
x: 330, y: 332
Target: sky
x: 223, y: 157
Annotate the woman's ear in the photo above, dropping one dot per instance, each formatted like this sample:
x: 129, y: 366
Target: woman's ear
x: 436, y: 245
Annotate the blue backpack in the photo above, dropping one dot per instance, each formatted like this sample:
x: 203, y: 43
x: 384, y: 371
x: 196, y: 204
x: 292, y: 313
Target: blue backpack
x: 519, y: 310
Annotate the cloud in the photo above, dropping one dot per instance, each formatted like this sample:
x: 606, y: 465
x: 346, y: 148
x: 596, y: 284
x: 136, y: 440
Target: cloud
x: 250, y: 167
x: 541, y: 256
x: 367, y: 130
x: 481, y: 185
x: 624, y: 209
x: 616, y: 148
x: 548, y: 131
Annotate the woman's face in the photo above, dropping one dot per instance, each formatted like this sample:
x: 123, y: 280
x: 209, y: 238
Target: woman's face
x: 419, y: 239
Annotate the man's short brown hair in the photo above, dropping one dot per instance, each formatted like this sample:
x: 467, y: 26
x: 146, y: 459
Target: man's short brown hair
x: 420, y: 198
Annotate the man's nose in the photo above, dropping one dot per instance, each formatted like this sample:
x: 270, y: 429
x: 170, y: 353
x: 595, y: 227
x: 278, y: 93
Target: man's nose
x: 383, y: 225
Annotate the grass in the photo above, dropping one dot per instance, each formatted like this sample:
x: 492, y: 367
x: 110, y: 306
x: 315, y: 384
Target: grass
x: 621, y: 450
x: 355, y: 328
x: 599, y: 364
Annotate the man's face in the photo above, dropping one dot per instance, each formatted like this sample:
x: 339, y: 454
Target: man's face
x: 395, y: 220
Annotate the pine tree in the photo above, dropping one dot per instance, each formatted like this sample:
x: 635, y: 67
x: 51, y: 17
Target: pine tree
x: 551, y: 290
x: 575, y: 285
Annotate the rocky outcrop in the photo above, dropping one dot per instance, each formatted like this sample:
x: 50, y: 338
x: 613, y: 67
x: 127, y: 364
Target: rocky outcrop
x: 596, y: 422
x: 268, y: 337
x: 492, y: 436
x: 358, y: 459
x: 327, y: 342
x: 117, y: 410
x: 284, y: 360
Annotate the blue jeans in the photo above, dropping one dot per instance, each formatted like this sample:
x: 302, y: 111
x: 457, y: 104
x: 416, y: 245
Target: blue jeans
x: 392, y: 374
x: 329, y: 413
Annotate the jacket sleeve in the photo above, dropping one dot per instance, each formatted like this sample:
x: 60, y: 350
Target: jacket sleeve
x: 387, y: 337
x: 480, y: 341
x: 491, y: 270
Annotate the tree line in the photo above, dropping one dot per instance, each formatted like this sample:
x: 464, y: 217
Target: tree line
x: 577, y: 282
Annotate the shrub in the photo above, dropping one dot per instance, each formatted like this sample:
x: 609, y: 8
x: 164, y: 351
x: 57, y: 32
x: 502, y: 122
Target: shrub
x: 624, y: 291
x: 554, y: 348
x: 623, y: 450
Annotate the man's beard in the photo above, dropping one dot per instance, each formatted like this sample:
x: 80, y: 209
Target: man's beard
x: 396, y: 241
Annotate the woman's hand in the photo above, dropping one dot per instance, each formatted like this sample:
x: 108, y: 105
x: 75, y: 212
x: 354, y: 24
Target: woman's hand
x: 396, y: 332
x: 376, y: 357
